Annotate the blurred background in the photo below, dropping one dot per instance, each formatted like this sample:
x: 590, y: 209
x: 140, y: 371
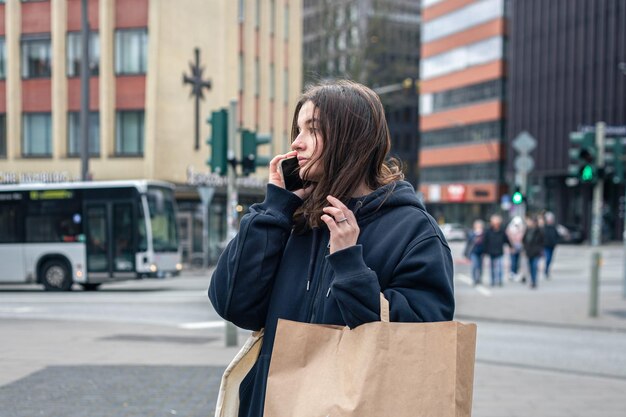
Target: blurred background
x: 460, y: 80
x: 505, y: 107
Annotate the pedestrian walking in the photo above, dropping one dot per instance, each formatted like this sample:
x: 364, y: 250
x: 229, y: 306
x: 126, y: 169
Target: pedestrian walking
x: 533, y: 247
x: 515, y: 233
x: 474, y: 250
x: 494, y: 242
x: 550, y: 240
x: 323, y: 253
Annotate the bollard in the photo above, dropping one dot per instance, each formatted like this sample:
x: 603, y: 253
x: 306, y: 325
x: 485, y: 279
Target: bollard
x: 595, y: 284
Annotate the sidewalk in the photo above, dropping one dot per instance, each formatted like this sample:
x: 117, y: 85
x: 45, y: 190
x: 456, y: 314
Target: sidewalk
x: 561, y: 301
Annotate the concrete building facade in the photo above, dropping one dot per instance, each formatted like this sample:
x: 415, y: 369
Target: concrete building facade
x: 142, y: 116
x: 462, y: 110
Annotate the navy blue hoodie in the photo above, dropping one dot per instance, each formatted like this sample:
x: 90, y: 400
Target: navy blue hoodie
x: 267, y: 272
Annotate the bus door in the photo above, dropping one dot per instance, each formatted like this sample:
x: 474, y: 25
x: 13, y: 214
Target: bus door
x: 110, y: 235
x: 11, y: 239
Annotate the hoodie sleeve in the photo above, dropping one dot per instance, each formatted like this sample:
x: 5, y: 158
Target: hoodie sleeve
x: 420, y: 290
x: 242, y: 281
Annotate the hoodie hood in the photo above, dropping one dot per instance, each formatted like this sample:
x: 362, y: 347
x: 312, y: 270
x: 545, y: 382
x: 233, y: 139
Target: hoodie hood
x: 394, y: 194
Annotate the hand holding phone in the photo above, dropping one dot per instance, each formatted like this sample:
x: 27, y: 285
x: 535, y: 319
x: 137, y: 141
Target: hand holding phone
x: 291, y: 174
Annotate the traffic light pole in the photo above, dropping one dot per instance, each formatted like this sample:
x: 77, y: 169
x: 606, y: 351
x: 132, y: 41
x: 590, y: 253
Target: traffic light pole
x: 596, y: 225
x: 231, y: 199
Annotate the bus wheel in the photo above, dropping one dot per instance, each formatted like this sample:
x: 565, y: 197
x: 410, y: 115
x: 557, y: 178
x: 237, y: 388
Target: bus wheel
x: 90, y: 287
x: 56, y: 276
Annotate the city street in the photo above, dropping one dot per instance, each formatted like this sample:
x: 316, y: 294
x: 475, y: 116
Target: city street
x: 156, y: 347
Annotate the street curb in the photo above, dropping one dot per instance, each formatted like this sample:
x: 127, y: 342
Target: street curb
x: 554, y: 325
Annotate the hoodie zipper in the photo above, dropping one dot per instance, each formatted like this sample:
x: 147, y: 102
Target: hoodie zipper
x: 319, y: 278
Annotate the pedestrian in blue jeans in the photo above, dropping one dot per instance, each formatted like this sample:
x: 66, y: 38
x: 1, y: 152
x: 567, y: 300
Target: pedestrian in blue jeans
x: 533, y: 246
x: 550, y: 240
x: 494, y: 242
x: 474, y: 250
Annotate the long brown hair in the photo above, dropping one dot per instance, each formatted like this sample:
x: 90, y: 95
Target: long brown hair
x: 351, y: 121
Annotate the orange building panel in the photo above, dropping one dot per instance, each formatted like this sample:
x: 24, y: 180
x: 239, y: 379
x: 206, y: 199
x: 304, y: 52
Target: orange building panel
x: 2, y: 29
x: 477, y: 74
x: 37, y: 95
x: 3, y: 97
x: 131, y: 14
x: 130, y: 92
x: 36, y: 17
x: 74, y: 12
x: 442, y: 8
x: 73, y: 94
x: 477, y: 113
x: 474, y: 34
x: 465, y: 154
x: 488, y: 192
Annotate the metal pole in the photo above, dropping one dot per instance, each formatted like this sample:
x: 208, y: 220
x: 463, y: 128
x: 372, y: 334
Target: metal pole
x: 84, y: 93
x: 596, y: 225
x: 205, y: 235
x: 232, y: 199
x: 624, y: 239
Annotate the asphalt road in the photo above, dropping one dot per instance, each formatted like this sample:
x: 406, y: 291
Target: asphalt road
x: 162, y: 338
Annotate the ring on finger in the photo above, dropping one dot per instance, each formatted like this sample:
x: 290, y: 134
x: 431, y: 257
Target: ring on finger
x: 345, y: 219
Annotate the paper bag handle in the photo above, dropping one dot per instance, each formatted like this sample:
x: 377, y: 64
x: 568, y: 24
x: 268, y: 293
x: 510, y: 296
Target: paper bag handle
x: 384, y: 309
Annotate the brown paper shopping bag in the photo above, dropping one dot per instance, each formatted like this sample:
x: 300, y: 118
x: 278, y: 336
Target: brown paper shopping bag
x: 228, y: 397
x: 379, y: 369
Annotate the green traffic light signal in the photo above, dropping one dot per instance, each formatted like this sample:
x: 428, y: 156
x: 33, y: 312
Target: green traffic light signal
x: 587, y: 174
x: 219, y: 142
x: 250, y: 159
x: 517, y: 197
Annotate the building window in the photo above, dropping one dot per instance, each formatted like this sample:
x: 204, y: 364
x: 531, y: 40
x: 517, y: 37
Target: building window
x: 462, y: 57
x: 257, y: 19
x: 462, y: 19
x: 3, y: 59
x: 486, y: 171
x: 36, y: 58
x: 37, y: 134
x: 286, y: 23
x: 75, y: 52
x: 3, y: 135
x: 434, y: 102
x: 74, y: 134
x: 129, y: 133
x: 474, y: 133
x: 285, y: 86
x: 241, y: 9
x: 131, y: 51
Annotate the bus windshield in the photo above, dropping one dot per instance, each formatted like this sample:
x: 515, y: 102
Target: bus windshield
x: 162, y: 219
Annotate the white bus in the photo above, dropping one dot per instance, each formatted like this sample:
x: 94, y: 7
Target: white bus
x: 87, y: 233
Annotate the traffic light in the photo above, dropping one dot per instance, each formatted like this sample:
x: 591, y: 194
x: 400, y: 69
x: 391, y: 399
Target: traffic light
x: 219, y: 142
x: 517, y: 197
x: 614, y: 160
x: 249, y: 155
x: 583, y: 157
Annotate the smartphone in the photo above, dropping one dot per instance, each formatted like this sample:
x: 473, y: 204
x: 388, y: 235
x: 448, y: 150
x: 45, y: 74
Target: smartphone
x: 291, y: 174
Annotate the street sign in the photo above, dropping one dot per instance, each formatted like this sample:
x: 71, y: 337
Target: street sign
x: 206, y: 194
x: 524, y: 142
x: 524, y: 164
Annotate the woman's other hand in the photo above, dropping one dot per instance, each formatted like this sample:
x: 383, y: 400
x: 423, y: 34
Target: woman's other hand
x: 344, y: 230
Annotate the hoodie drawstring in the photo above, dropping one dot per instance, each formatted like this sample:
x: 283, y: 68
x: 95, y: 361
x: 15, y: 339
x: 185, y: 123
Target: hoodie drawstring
x: 312, y: 258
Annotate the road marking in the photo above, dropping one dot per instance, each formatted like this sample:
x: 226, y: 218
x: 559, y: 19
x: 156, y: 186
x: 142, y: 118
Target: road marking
x: 467, y: 280
x: 18, y: 310
x: 202, y: 325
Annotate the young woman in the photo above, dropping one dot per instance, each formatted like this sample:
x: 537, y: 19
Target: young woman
x: 324, y: 253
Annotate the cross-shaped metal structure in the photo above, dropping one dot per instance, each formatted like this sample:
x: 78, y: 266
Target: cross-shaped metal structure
x: 198, y: 84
